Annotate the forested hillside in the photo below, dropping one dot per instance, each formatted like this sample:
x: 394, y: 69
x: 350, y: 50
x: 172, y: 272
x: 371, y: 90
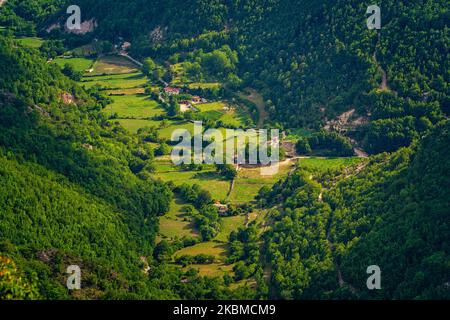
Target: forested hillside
x: 312, y: 60
x: 391, y: 212
x: 67, y: 178
x: 85, y: 170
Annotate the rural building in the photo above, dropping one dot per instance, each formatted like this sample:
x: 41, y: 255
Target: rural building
x: 222, y: 208
x: 197, y: 99
x: 126, y: 45
x: 172, y: 91
x: 185, y: 105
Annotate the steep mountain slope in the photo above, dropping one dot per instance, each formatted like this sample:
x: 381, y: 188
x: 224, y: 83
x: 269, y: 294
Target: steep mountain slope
x: 69, y: 183
x: 76, y: 189
x: 311, y: 60
x: 393, y: 214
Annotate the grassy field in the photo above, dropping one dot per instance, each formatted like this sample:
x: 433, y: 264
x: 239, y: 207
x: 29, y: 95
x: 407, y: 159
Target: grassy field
x: 216, y: 249
x: 117, y: 81
x: 211, y: 106
x: 133, y: 125
x: 249, y: 181
x: 166, y: 132
x: 207, y: 179
x: 204, y: 85
x: 212, y: 270
x: 113, y: 65
x: 30, y: 42
x: 126, y: 91
x: 79, y: 64
x: 327, y: 163
x: 222, y: 111
x: 230, y: 224
x: 175, y: 223
x: 136, y: 105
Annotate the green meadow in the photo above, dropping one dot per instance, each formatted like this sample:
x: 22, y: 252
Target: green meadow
x: 207, y: 179
x: 176, y: 223
x: 327, y: 163
x: 226, y: 113
x: 249, y: 181
x: 116, y: 81
x: 30, y: 42
x: 114, y: 65
x: 134, y: 110
x: 230, y: 224
x: 204, y: 85
x: 78, y: 64
x: 216, y: 249
x: 134, y: 106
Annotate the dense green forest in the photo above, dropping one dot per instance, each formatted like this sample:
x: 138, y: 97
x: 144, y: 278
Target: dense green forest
x: 71, y: 193
x: 311, y: 60
x: 391, y: 211
x: 78, y: 188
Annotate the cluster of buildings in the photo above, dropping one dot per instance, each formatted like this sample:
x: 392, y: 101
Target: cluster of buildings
x: 185, y: 105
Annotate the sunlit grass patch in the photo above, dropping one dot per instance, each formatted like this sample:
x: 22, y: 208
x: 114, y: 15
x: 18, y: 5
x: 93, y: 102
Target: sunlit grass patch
x: 30, y: 42
x: 216, y: 249
x: 116, y: 81
x: 206, y: 85
x: 212, y: 270
x: 176, y: 223
x: 134, y: 106
x: 114, y: 65
x: 133, y: 125
x: 127, y: 91
x: 78, y: 64
x: 230, y: 224
x: 328, y: 163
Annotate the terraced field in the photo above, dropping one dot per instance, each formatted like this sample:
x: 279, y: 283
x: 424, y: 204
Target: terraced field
x: 327, y: 163
x: 114, y: 65
x: 30, y: 42
x: 249, y: 181
x: 176, y: 223
x: 78, y: 64
x: 207, y: 179
x: 138, y: 106
x: 133, y: 109
x: 116, y: 81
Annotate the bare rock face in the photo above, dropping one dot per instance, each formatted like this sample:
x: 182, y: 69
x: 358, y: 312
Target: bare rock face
x: 52, y: 27
x: 347, y: 121
x: 67, y: 98
x: 85, y: 27
x: 157, y: 35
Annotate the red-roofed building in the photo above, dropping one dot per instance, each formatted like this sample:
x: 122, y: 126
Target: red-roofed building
x: 170, y: 90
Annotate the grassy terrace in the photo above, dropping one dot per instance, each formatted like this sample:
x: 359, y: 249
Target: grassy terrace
x: 207, y: 179
x: 136, y: 106
x: 116, y: 81
x: 114, y: 65
x: 125, y: 85
x: 79, y: 64
x: 250, y: 181
x: 176, y: 224
x: 327, y: 163
x: 30, y: 42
